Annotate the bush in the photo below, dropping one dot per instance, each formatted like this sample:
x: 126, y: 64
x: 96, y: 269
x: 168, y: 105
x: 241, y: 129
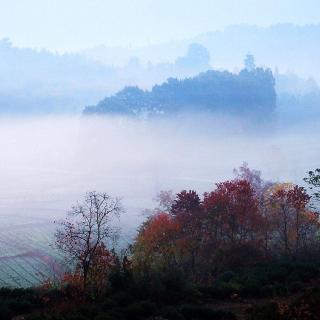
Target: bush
x: 252, y: 289
x: 105, y: 316
x: 114, y: 314
x: 17, y: 293
x: 269, y: 311
x: 302, y: 272
x: 88, y: 311
x: 37, y: 317
x: 191, y: 312
x: 305, y: 307
x: 120, y: 280
x: 174, y: 287
x: 139, y: 310
x: 277, y: 273
x: 295, y: 287
x: 109, y: 304
x: 5, y: 312
x: 149, y: 308
x: 123, y: 298
x: 48, y: 317
x: 19, y: 307
x: 226, y: 276
x: 168, y: 287
x: 220, y: 291
x: 280, y: 290
x: 77, y: 317
x: 171, y: 313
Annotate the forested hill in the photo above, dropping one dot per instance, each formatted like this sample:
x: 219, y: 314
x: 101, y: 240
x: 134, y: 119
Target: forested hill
x: 250, y: 91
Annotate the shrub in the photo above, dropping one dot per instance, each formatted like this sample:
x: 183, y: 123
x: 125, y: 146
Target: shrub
x: 220, y: 291
x: 149, y: 308
x: 5, y: 312
x: 139, y: 310
x: 120, y: 280
x: 306, y: 307
x: 46, y: 317
x: 280, y: 290
x: 302, y: 272
x: 108, y: 304
x: 269, y: 311
x: 37, y: 317
x: 105, y: 316
x: 277, y: 273
x: 19, y: 307
x: 252, y: 289
x: 123, y: 298
x: 114, y: 314
x: 171, y: 313
x: 191, y: 312
x: 168, y: 287
x: 77, y: 317
x: 88, y: 311
x: 226, y: 276
x: 295, y: 287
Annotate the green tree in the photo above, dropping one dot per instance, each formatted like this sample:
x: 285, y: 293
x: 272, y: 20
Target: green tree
x: 249, y: 62
x: 313, y: 181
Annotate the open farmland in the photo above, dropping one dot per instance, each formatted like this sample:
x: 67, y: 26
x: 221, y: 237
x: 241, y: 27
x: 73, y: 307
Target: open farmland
x: 26, y: 255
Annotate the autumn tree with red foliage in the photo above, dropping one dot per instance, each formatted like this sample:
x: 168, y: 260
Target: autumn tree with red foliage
x: 188, y: 212
x: 241, y: 221
x: 232, y: 225
x: 155, y: 244
x: 233, y: 208
x: 288, y: 207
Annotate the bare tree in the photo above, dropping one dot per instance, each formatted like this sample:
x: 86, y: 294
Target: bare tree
x: 86, y: 229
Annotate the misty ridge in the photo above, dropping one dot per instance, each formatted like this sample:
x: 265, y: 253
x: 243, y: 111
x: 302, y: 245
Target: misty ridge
x: 275, y: 46
x: 41, y: 82
x: 250, y: 92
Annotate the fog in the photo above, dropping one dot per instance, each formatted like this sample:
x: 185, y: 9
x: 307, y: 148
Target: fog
x: 48, y: 163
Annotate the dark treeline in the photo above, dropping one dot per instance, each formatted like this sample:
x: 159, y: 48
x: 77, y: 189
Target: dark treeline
x: 250, y: 91
x: 248, y: 249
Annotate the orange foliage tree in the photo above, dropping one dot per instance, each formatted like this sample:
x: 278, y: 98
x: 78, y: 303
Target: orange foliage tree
x: 292, y: 220
x: 155, y: 245
x: 233, y: 211
x: 240, y: 222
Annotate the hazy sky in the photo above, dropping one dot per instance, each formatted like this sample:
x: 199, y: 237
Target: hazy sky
x: 74, y: 24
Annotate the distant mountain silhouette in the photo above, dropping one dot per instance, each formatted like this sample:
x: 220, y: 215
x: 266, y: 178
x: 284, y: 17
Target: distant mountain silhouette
x: 286, y: 46
x: 243, y: 93
x: 39, y: 81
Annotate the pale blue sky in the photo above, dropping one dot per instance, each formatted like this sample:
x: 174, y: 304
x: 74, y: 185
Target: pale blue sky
x: 75, y: 24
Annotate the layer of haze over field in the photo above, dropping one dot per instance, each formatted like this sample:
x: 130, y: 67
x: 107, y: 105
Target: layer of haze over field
x: 57, y: 57
x: 48, y: 163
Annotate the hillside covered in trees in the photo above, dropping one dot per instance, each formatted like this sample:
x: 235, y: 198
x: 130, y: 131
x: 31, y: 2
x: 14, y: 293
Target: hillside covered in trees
x: 252, y: 91
x: 246, y: 249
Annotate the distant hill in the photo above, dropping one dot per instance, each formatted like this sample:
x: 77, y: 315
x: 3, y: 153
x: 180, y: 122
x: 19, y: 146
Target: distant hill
x: 33, y: 81
x: 247, y: 92
x: 274, y: 46
x: 41, y: 82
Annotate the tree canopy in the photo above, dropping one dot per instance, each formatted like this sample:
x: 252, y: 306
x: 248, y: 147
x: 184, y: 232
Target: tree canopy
x: 249, y: 92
